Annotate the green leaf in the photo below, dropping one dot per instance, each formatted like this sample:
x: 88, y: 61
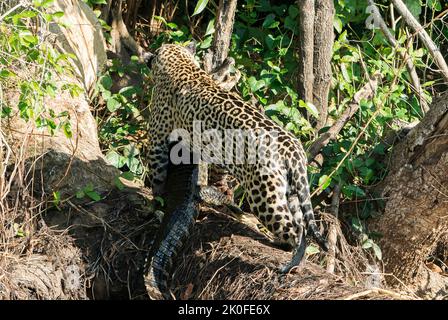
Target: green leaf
x: 435, y: 5
x: 369, y: 162
x: 210, y: 28
x: 6, y: 111
x: 42, y: 3
x: 113, y: 105
x: 324, y: 181
x: 28, y: 37
x: 96, y: 1
x: 128, y: 175
x: 106, y: 82
x: 200, y: 6
x: 161, y: 19
x: 120, y: 186
x: 310, y: 107
x: 357, y: 225
x: 254, y: 84
x: 160, y: 200
x: 206, y: 43
x: 4, y: 73
x: 353, y: 190
x: 133, y: 164
x: 414, y: 6
x: 18, y: 230
x: 293, y: 11
x: 171, y: 25
x: 366, y: 173
x: 93, y: 195
x: 337, y: 24
x: 128, y: 91
x: 291, y: 24
x: 377, y: 251
x: 113, y: 158
x: 80, y: 194
x: 312, y: 249
x: 88, y: 187
x: 67, y: 128
x: 270, y: 22
x: 367, y: 244
x: 379, y: 149
x: 26, y: 14
x: 56, y: 198
x: 58, y: 14
x: 357, y: 162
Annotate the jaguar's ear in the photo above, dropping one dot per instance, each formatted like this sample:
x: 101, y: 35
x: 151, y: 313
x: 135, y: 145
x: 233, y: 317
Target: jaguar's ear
x: 191, y: 47
x: 147, y: 58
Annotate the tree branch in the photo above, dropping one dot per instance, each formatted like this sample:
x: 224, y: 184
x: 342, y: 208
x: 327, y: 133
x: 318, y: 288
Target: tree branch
x: 410, y: 20
x: 404, y: 55
x: 415, y: 80
x: 366, y: 92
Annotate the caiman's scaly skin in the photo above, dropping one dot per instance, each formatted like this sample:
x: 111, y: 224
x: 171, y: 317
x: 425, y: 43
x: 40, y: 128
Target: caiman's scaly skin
x: 183, y: 195
x: 179, y: 218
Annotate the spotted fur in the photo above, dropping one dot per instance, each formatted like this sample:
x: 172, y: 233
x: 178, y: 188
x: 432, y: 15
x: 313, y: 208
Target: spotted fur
x: 277, y: 190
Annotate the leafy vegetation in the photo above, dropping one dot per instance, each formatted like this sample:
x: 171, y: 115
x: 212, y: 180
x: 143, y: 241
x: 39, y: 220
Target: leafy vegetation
x: 264, y: 46
x: 22, y: 50
x: 120, y: 122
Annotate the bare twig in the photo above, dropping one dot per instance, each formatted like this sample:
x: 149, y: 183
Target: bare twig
x: 377, y: 291
x: 332, y: 232
x: 404, y: 55
x: 424, y: 37
x: 3, y: 16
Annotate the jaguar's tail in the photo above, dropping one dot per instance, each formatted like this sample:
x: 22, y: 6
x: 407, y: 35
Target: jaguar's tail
x: 301, y: 192
x: 308, y: 217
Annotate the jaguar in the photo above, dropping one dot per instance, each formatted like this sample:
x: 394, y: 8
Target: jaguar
x: 277, y: 189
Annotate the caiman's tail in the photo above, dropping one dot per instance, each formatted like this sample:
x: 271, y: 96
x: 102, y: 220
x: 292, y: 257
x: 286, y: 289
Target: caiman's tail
x: 175, y: 229
x: 161, y: 262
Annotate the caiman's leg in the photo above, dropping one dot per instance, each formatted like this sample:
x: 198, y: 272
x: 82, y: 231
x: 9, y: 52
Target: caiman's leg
x: 223, y: 76
x: 213, y: 196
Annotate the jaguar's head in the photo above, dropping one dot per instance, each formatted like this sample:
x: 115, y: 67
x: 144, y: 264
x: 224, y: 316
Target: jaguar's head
x: 169, y: 56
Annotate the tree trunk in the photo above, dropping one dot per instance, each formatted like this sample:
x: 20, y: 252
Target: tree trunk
x: 223, y: 34
x: 323, y: 51
x: 306, y: 50
x: 315, y: 50
x: 415, y: 220
x: 214, y: 60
